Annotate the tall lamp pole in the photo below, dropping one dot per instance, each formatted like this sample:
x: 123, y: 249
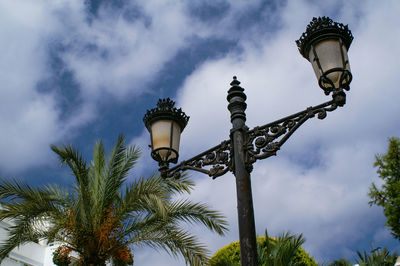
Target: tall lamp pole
x: 325, y: 44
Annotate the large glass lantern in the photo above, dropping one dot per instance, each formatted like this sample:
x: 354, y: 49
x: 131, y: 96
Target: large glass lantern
x: 325, y: 44
x: 165, y: 124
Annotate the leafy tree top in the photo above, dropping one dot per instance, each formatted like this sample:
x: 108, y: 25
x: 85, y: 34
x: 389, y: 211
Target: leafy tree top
x: 377, y: 257
x: 285, y: 250
x: 388, y: 195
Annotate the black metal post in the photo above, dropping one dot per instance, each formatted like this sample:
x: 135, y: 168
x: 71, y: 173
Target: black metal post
x: 247, y: 232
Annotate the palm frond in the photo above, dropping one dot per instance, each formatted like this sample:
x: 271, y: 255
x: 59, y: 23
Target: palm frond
x: 280, y: 251
x: 379, y: 257
x: 144, y: 194
x: 175, y: 241
x: 182, y: 185
x: 101, y: 216
x: 69, y: 155
x: 25, y: 229
x: 97, y: 175
x: 24, y: 200
x: 122, y: 162
x: 185, y: 210
x: 12, y: 189
x: 341, y: 262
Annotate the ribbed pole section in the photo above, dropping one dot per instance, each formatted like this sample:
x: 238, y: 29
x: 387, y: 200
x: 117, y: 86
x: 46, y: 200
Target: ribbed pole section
x: 247, y: 233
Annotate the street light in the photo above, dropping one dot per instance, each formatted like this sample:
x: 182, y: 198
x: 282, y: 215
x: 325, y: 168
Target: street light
x: 325, y: 44
x: 165, y: 124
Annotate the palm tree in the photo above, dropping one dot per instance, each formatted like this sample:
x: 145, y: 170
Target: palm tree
x: 103, y: 217
x: 378, y: 257
x: 341, y: 262
x: 280, y: 251
x: 285, y: 250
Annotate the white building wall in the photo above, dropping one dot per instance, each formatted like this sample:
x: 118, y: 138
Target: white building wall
x: 31, y: 254
x: 36, y: 254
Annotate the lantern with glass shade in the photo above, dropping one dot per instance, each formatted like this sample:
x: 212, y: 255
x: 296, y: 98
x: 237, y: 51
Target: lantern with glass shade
x: 325, y: 44
x: 165, y: 124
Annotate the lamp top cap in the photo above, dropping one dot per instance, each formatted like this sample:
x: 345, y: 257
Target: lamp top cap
x: 322, y: 28
x: 165, y: 110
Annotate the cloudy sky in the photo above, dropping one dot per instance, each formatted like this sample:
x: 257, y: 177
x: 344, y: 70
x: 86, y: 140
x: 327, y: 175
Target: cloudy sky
x: 76, y: 71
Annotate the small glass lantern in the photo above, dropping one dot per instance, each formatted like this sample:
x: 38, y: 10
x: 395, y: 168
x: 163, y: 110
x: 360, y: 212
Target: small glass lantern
x: 165, y: 124
x: 325, y: 44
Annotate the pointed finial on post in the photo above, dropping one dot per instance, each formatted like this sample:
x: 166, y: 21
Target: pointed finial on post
x: 237, y: 100
x: 235, y: 81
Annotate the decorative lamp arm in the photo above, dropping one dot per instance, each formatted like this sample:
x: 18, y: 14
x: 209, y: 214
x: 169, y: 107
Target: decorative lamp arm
x: 261, y: 142
x: 264, y: 141
x: 218, y: 156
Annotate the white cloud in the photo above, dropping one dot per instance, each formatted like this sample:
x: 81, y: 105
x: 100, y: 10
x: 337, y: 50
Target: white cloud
x: 109, y: 56
x: 318, y: 183
x: 28, y: 119
x: 125, y: 53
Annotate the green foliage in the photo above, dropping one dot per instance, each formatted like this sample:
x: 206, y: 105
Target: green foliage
x: 228, y: 255
x: 341, y: 262
x: 302, y: 258
x: 285, y: 250
x: 104, y: 216
x: 388, y: 196
x: 378, y: 257
x: 61, y: 257
x: 381, y: 257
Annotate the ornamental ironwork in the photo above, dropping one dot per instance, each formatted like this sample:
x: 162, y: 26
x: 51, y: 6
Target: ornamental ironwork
x: 218, y: 157
x: 322, y: 27
x: 262, y: 142
x: 165, y: 110
x: 245, y: 146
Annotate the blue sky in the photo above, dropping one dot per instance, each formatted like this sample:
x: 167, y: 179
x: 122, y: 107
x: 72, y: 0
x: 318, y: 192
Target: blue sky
x: 73, y: 72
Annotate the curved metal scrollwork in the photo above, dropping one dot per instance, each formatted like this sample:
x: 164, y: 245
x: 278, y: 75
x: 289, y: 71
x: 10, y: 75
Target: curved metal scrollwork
x: 218, y: 156
x: 264, y: 141
x: 261, y: 142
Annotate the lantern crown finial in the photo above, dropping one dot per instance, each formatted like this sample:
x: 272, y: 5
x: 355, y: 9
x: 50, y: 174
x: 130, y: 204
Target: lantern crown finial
x: 165, y: 110
x: 165, y: 103
x: 321, y: 28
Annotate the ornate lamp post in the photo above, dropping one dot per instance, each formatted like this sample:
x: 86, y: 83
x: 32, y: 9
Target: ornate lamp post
x: 325, y: 44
